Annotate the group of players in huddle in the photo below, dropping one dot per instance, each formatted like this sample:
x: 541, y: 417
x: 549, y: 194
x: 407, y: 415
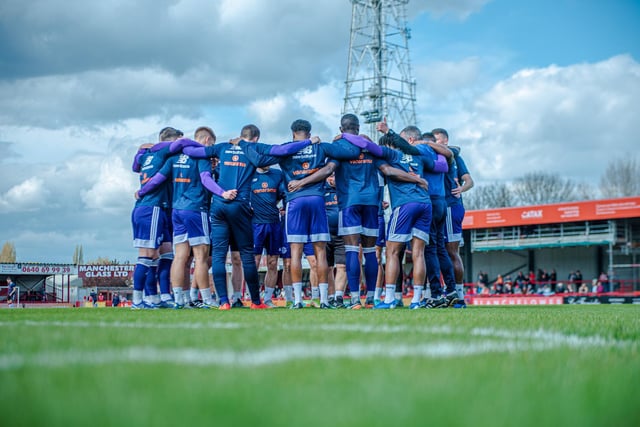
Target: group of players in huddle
x: 198, y: 200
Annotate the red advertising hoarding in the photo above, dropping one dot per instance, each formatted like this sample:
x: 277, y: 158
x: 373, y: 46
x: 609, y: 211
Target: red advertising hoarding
x: 105, y: 271
x: 591, y: 210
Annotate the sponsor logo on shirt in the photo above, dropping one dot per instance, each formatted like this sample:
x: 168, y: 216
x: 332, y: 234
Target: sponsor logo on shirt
x: 234, y: 162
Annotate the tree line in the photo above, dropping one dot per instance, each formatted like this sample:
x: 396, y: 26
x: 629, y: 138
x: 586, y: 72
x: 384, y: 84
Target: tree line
x: 620, y: 179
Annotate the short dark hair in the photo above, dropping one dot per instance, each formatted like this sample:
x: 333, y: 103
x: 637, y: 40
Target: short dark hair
x: 428, y: 136
x: 169, y: 133
x: 349, y: 122
x: 206, y: 130
x: 301, y: 125
x: 441, y: 131
x: 249, y: 132
x: 412, y: 131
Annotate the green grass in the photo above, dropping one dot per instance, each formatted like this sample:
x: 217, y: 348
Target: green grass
x: 493, y: 366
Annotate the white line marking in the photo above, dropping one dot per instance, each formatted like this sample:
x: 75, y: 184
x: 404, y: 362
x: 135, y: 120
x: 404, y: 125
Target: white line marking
x: 486, y: 340
x: 270, y: 355
x: 539, y: 334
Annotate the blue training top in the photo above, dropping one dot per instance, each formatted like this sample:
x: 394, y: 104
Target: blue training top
x: 189, y: 193
x: 402, y: 193
x: 357, y: 181
x: 452, y: 178
x: 331, y: 204
x: 267, y: 188
x: 309, y: 160
x: 435, y: 179
x: 150, y: 162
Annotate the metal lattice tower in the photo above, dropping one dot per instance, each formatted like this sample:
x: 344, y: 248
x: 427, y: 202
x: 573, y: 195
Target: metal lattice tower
x: 379, y: 82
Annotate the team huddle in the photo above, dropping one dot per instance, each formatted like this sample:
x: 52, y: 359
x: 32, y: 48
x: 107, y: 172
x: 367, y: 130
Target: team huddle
x: 198, y: 200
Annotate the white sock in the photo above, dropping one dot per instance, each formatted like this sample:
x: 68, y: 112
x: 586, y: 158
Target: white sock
x: 297, y: 292
x: 324, y: 292
x: 237, y: 296
x: 460, y: 290
x: 137, y: 297
x: 398, y: 296
x: 206, y: 296
x: 288, y: 293
x: 193, y: 294
x: 389, y: 293
x: 417, y: 294
x: 378, y: 293
x: 339, y: 294
x: 165, y: 297
x: 315, y: 293
x: 370, y: 294
x: 355, y: 298
x: 177, y: 295
x: 268, y: 293
x: 427, y: 292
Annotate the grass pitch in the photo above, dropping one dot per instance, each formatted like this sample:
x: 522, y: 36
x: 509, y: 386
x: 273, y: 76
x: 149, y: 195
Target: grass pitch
x: 493, y: 366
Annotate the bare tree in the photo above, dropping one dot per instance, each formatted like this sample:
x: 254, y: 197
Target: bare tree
x: 8, y: 253
x: 620, y: 179
x: 538, y: 188
x: 497, y: 195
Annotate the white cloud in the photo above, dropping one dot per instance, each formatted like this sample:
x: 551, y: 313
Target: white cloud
x: 325, y: 102
x: 112, y: 183
x: 269, y: 111
x: 29, y: 195
x: 570, y: 120
x: 442, y: 79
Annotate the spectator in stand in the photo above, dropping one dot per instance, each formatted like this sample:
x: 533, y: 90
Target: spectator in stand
x: 507, y: 289
x: 531, y: 286
x: 545, y: 279
x: 508, y: 280
x: 578, y: 279
x: 521, y: 280
x: 560, y: 288
x: 115, y: 301
x: 583, y: 289
x: 499, y: 283
x: 571, y: 282
x: 517, y: 289
x: 553, y: 279
x: 604, y: 280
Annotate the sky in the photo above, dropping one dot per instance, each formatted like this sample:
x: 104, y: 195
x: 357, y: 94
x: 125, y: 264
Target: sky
x: 521, y: 86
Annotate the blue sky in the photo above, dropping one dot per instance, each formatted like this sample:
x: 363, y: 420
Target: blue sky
x: 532, y: 34
x: 522, y: 86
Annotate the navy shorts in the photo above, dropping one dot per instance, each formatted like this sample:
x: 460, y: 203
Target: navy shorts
x: 306, y: 220
x: 150, y: 227
x: 358, y: 219
x: 267, y: 236
x: 190, y: 226
x: 455, y: 216
x: 408, y: 221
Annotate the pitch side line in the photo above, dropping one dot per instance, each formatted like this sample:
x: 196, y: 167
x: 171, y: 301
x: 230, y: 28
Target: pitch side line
x: 270, y: 355
x: 571, y: 340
